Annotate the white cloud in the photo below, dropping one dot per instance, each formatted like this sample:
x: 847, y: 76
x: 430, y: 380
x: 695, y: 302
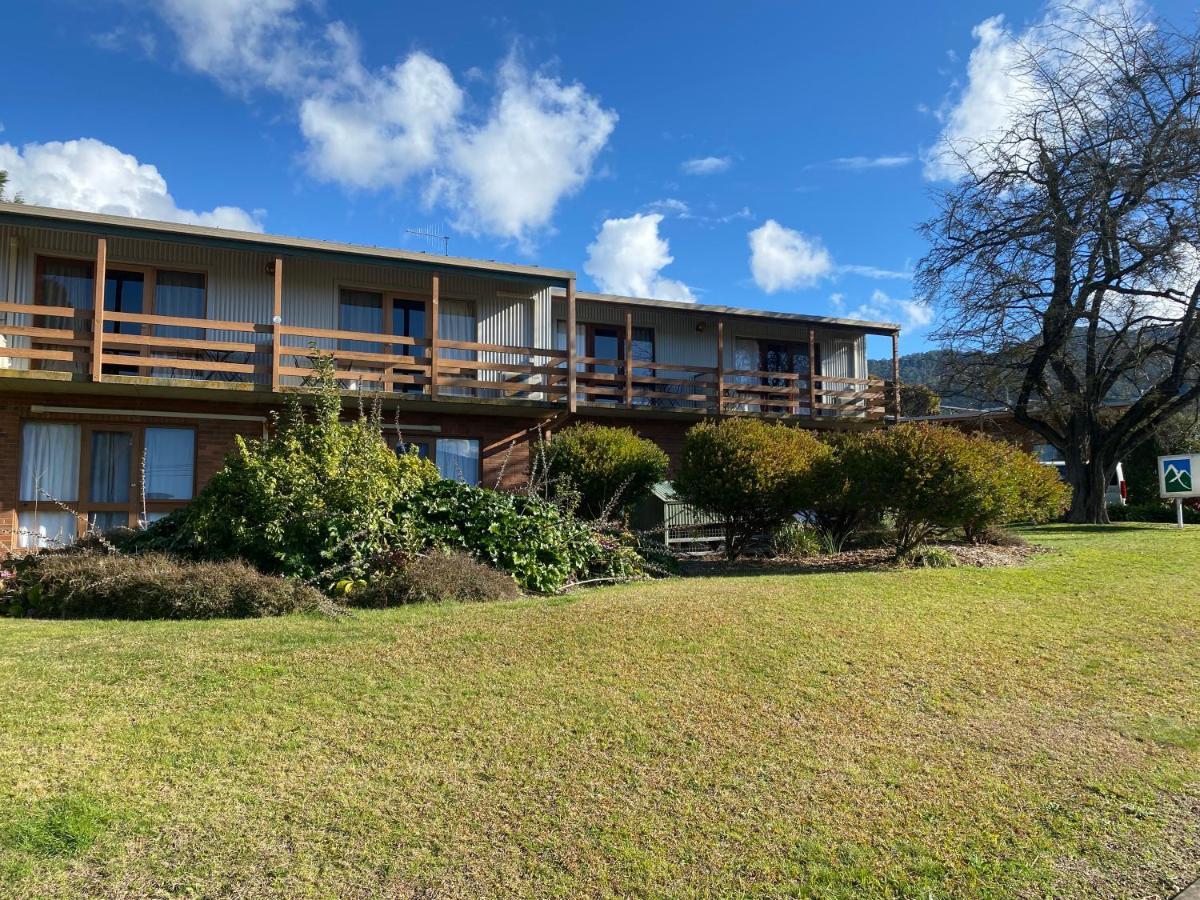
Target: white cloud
x: 628, y: 257
x: 501, y: 172
x: 783, y: 259
x: 706, y: 165
x: 860, y: 163
x: 875, y: 272
x: 380, y: 130
x: 536, y: 147
x: 995, y: 87
x: 909, y: 314
x: 87, y: 174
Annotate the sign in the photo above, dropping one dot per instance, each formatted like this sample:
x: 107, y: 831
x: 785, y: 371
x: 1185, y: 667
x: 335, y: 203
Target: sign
x: 1177, y: 476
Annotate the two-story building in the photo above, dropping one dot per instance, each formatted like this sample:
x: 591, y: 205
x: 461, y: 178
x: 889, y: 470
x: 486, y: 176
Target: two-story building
x: 133, y: 352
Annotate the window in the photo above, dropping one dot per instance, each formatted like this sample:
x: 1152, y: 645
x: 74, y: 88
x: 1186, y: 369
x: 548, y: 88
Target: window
x: 458, y: 458
x: 96, y: 471
x: 360, y: 311
x: 127, y: 289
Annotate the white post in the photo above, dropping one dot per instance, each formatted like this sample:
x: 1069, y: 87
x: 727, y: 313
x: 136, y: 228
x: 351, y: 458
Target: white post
x: 1179, y: 511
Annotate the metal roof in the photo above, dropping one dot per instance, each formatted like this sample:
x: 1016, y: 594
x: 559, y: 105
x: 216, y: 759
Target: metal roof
x: 883, y: 328
x: 103, y: 224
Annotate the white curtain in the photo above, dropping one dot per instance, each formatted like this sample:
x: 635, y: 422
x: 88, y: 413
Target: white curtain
x: 170, y: 463
x: 49, y: 462
x: 49, y: 472
x: 456, y: 322
x: 458, y: 459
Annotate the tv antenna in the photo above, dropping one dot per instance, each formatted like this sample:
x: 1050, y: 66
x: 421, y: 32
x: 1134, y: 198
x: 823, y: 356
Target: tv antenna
x: 433, y: 237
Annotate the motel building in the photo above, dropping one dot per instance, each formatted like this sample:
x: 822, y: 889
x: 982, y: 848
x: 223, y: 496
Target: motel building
x: 133, y: 353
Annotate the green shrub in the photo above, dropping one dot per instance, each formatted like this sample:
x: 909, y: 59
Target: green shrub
x: 793, y: 540
x: 1154, y: 511
x: 605, y: 470
x: 437, y: 576
x: 752, y: 474
x: 544, y: 548
x: 923, y: 556
x: 97, y: 585
x: 316, y: 501
x: 834, y: 508
x: 932, y: 478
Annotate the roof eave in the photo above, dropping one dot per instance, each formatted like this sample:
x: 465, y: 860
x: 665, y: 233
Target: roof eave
x: 147, y: 229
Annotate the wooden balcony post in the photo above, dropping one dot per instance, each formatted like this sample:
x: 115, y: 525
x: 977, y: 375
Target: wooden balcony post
x: 276, y: 324
x: 720, y: 367
x: 812, y: 372
x: 629, y: 358
x: 433, y: 338
x: 571, y: 399
x: 896, y: 372
x: 98, y: 279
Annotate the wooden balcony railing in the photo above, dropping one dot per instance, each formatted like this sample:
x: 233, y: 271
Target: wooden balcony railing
x: 120, y: 345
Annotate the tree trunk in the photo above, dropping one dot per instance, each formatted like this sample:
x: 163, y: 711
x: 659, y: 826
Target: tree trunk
x: 1089, y: 483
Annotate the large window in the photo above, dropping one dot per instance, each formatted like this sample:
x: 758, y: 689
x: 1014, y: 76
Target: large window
x: 75, y: 477
x: 376, y: 312
x: 456, y: 458
x: 127, y: 289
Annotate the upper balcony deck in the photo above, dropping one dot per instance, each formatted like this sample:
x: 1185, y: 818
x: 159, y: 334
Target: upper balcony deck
x: 104, y: 299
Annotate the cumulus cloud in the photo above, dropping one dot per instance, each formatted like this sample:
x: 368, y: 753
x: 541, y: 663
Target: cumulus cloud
x: 90, y: 175
x: 628, y: 257
x: 501, y: 172
x: 706, y: 165
x: 783, y: 259
x: 909, y: 314
x: 995, y: 87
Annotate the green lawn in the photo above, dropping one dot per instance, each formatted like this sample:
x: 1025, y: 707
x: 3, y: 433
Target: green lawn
x: 952, y: 732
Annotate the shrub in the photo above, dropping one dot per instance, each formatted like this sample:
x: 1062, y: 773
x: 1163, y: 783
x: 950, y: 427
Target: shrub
x: 147, y: 586
x: 923, y: 556
x: 316, y: 501
x: 752, y: 474
x: 1001, y: 537
x: 541, y: 546
x: 605, y: 470
x: 934, y: 478
x: 437, y: 576
x: 834, y: 508
x: 795, y: 541
x: 1155, y: 511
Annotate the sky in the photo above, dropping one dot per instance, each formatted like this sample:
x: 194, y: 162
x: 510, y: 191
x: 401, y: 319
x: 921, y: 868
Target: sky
x: 764, y: 154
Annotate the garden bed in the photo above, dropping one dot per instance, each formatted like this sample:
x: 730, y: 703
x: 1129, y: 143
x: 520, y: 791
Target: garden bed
x: 863, y: 560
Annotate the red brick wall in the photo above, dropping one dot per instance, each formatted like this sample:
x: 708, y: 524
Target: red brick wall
x: 504, y: 440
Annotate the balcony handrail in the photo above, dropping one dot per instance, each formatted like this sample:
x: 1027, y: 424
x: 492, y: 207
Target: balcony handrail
x: 185, y: 322
x: 368, y: 337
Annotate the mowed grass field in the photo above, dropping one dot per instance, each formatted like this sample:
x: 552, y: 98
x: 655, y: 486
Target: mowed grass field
x: 1029, y: 731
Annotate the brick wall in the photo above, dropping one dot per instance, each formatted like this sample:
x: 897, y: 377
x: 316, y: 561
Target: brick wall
x: 504, y: 440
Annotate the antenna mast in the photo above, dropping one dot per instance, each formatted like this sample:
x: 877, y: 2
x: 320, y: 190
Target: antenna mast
x: 433, y: 237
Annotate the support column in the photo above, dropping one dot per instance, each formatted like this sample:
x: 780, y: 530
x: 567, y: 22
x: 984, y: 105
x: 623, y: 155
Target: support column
x: 812, y: 372
x: 629, y: 358
x: 433, y: 337
x: 720, y: 367
x: 571, y: 400
x: 896, y: 372
x: 276, y: 324
x: 98, y: 278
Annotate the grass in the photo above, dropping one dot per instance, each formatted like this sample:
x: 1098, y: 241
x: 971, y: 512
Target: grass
x: 956, y: 732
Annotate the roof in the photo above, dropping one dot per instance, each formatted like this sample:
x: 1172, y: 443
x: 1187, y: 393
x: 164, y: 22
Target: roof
x: 101, y: 223
x: 883, y: 328
x: 148, y: 229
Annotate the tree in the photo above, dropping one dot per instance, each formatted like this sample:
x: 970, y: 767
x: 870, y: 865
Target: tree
x: 916, y: 400
x: 608, y: 469
x: 752, y: 474
x: 17, y: 198
x: 1065, y: 260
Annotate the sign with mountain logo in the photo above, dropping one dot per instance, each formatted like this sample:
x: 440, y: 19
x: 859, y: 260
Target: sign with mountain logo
x: 1176, y: 476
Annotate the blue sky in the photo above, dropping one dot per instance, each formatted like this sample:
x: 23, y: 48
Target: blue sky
x: 771, y: 155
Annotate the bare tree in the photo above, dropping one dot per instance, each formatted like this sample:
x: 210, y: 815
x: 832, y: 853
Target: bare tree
x: 1065, y: 259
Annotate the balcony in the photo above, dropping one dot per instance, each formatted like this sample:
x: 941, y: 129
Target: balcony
x: 142, y: 348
